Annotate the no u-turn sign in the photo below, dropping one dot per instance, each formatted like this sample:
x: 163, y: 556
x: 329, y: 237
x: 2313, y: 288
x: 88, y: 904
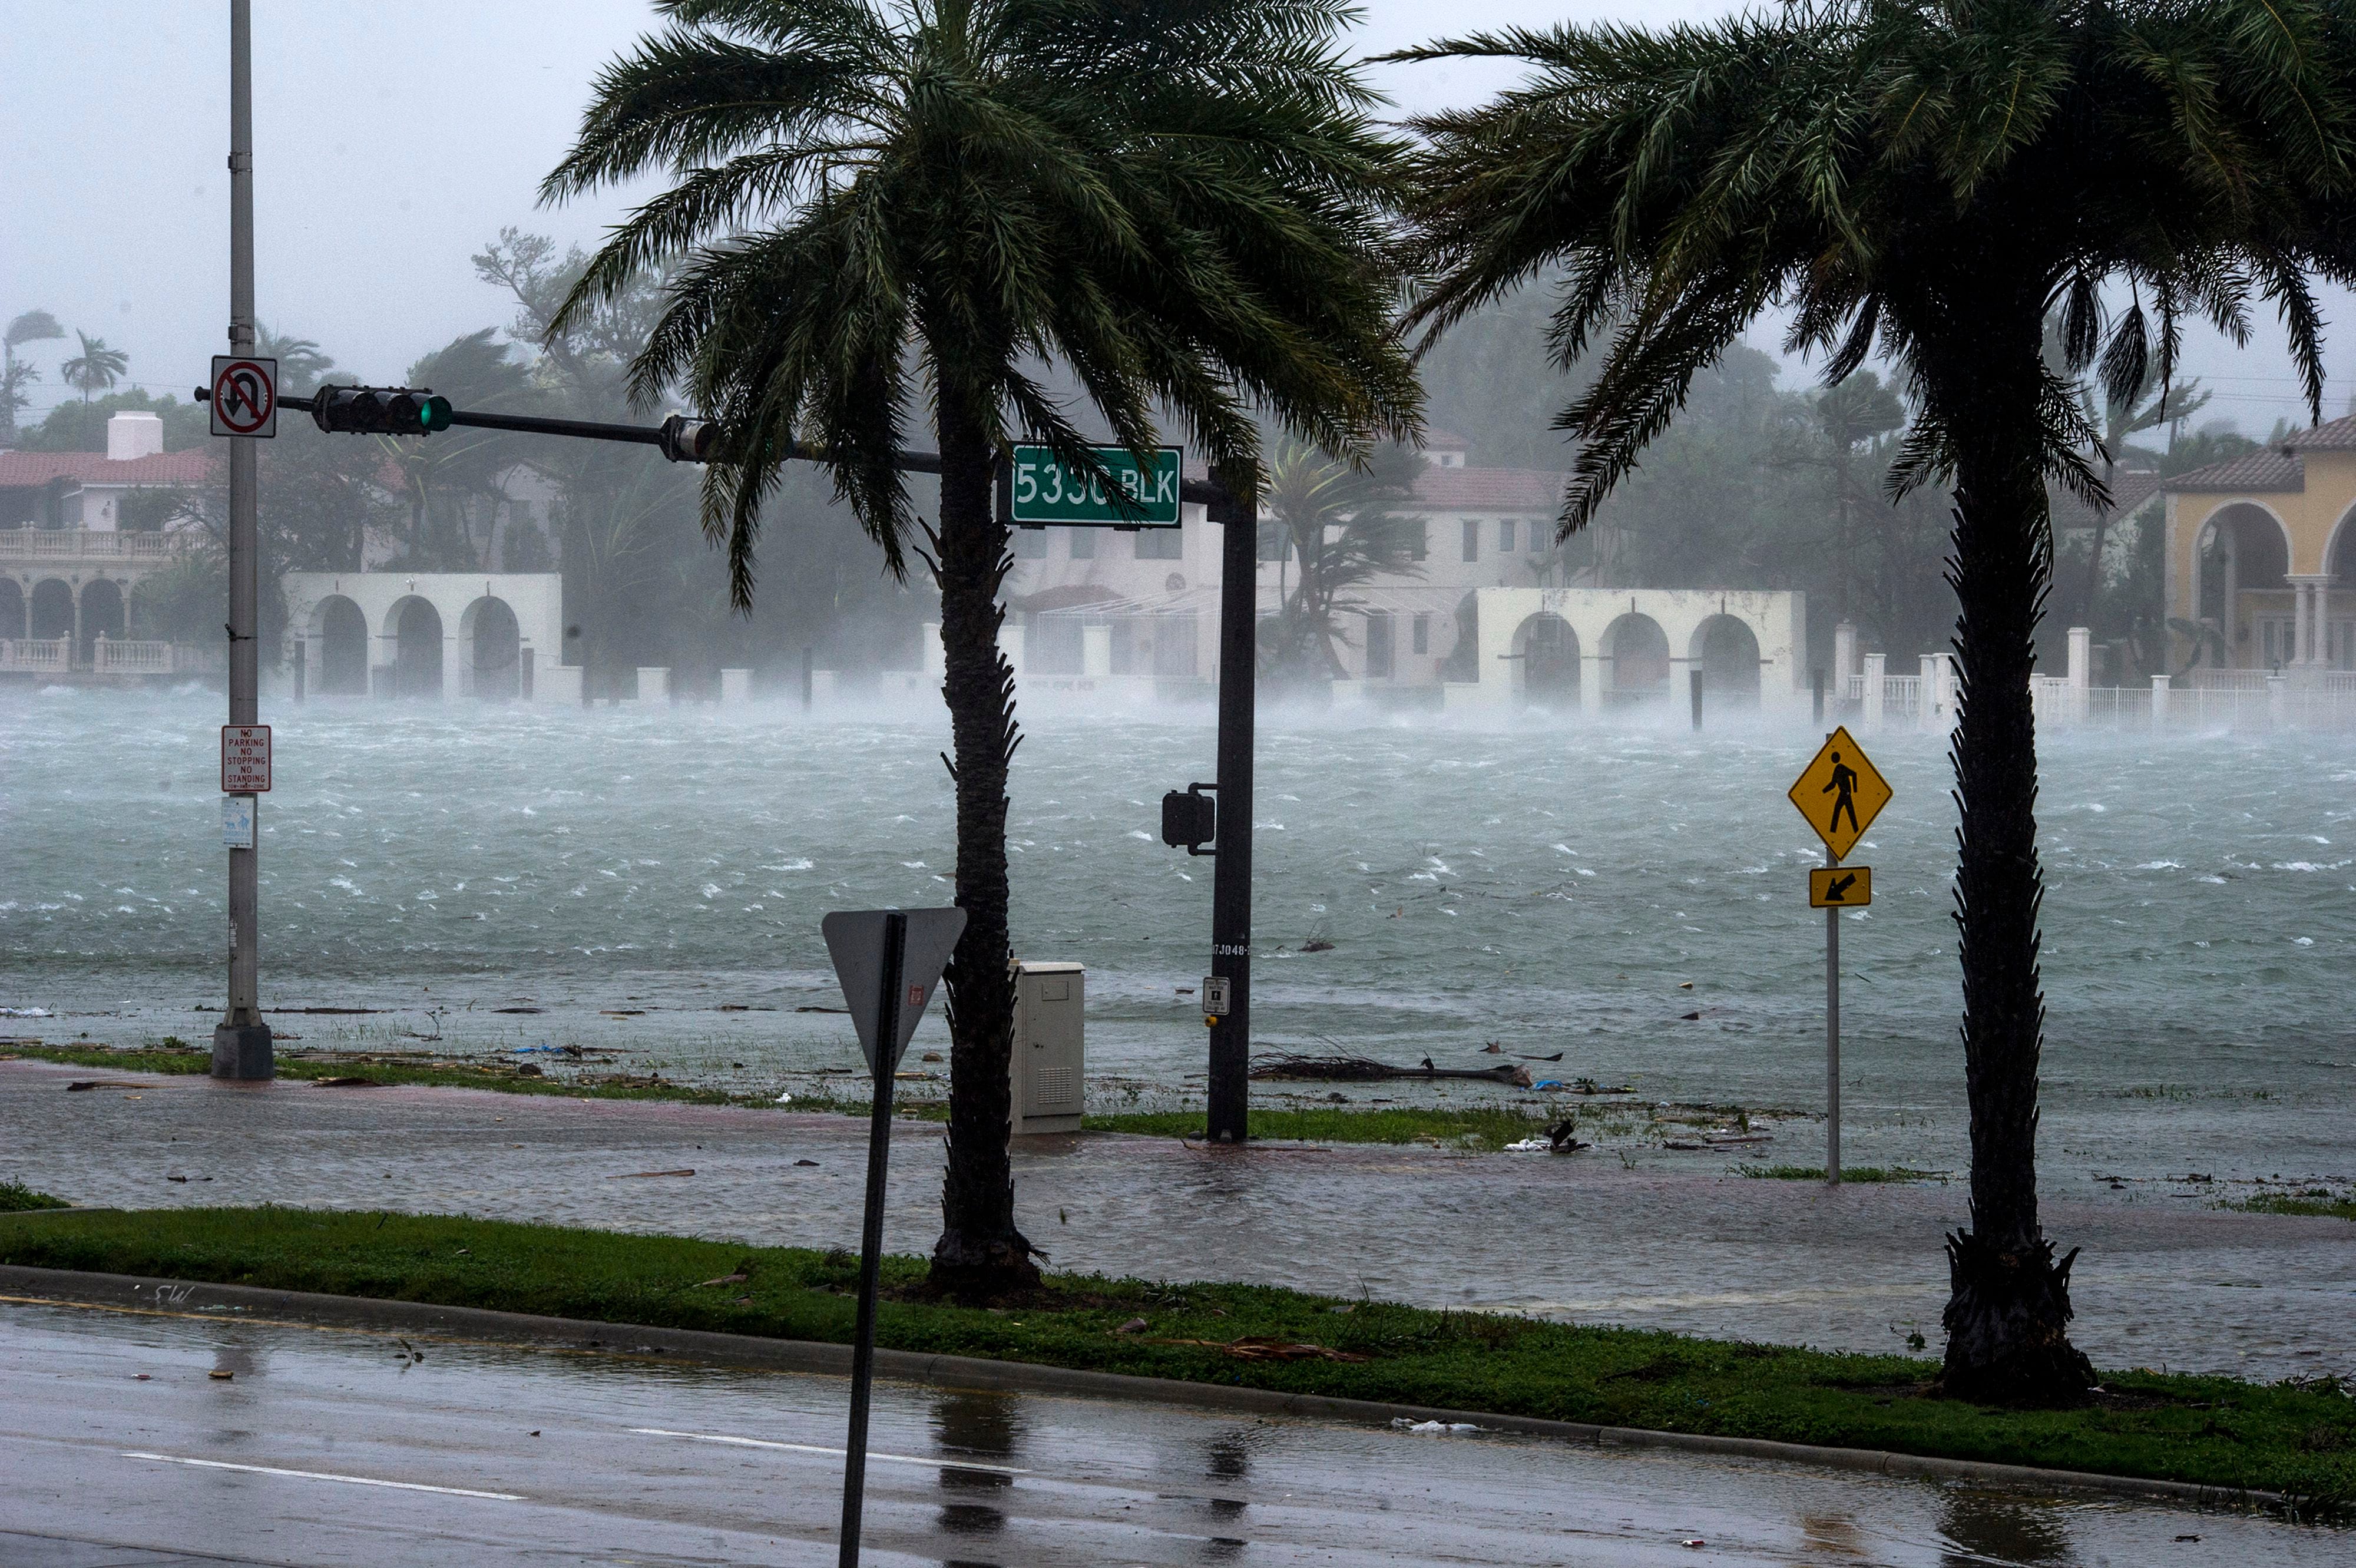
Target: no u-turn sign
x: 245, y: 396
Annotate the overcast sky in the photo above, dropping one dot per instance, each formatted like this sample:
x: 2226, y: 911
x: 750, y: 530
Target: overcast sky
x: 394, y: 141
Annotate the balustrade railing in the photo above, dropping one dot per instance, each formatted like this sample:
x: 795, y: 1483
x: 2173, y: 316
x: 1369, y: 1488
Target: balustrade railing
x: 88, y: 545
x: 47, y: 653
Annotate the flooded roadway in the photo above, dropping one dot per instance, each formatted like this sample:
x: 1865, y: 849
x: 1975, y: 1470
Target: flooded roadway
x: 335, y: 1446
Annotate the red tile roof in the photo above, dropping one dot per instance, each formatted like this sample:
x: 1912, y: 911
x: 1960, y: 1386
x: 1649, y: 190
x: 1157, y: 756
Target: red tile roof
x: 2267, y: 471
x: 23, y: 470
x: 2338, y: 435
x: 1490, y: 490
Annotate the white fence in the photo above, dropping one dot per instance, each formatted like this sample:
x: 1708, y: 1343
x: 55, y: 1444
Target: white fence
x: 110, y: 656
x: 53, y: 653
x: 88, y: 545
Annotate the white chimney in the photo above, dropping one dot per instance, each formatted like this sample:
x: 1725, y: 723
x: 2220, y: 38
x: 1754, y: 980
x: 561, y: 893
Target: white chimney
x: 134, y: 435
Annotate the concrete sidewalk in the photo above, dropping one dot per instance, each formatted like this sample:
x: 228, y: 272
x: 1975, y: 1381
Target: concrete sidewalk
x: 2164, y: 1282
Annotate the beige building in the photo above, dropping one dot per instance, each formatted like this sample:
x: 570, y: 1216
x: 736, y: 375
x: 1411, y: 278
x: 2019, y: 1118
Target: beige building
x: 2256, y: 546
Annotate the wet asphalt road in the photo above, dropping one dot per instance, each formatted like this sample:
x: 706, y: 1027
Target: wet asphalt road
x: 2166, y: 1279
x: 333, y: 1446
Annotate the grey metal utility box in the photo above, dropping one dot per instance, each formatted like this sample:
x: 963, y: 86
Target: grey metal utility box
x: 1050, y: 1056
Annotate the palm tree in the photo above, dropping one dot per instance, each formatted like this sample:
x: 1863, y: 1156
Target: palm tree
x: 1926, y: 178
x: 301, y: 361
x: 1179, y: 204
x: 29, y: 326
x: 1846, y: 417
x: 96, y: 368
x: 2146, y: 407
x: 1341, y: 523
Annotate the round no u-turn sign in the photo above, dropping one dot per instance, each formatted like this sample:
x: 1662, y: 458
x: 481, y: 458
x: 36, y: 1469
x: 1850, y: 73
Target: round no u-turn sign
x: 245, y: 396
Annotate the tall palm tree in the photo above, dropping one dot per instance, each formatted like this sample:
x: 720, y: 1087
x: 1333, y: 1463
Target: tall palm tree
x: 1926, y: 178
x: 883, y: 202
x: 96, y: 368
x: 27, y: 327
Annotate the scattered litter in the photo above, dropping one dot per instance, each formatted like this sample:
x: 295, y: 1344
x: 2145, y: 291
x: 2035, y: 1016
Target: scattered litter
x: 822, y: 1009
x: 783, y: 1100
x: 26, y: 1013
x: 1530, y: 1146
x: 734, y: 1007
x: 535, y: 1432
x: 80, y: 1084
x: 337, y: 1012
x: 1431, y: 1428
x: 345, y: 1083
x: 805, y: 1161
x: 1362, y: 1069
x: 1317, y: 944
x: 139, y: 1377
x: 220, y: 1375
x: 628, y: 1176
x: 738, y: 1278
x: 1134, y: 1326
x: 1685, y: 985
x: 622, y: 1012
x: 543, y: 1050
x: 1343, y: 1310
x: 519, y: 1010
x: 1556, y: 1058
x: 176, y: 1178
x: 1697, y: 1542
x: 932, y: 1055
x: 1689, y: 1017
x: 1185, y: 990
x: 917, y: 1077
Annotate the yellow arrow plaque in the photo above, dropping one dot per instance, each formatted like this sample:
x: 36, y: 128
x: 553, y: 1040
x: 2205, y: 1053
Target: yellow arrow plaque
x: 1840, y: 887
x: 1840, y: 792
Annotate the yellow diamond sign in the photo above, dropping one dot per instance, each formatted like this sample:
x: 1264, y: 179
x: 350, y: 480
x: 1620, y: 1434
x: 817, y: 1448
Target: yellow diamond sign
x: 1840, y: 792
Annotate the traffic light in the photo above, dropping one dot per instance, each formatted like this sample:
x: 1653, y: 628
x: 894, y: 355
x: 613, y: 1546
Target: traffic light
x: 380, y: 411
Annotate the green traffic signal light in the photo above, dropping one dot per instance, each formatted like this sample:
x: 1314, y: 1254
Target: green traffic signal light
x: 434, y: 415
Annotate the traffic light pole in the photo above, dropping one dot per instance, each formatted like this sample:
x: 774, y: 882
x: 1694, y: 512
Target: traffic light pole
x: 242, y: 1046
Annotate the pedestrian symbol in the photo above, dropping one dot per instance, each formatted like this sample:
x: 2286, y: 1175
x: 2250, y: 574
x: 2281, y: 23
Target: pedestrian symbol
x: 1840, y: 888
x: 1840, y: 793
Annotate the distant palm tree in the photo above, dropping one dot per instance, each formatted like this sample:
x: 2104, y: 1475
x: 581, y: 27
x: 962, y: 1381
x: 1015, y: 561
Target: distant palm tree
x: 31, y: 327
x: 931, y: 200
x: 1927, y: 179
x: 96, y: 368
x: 1344, y: 526
x: 301, y: 362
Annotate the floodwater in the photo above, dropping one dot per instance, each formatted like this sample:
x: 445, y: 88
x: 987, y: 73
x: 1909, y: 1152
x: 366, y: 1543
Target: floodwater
x: 652, y: 880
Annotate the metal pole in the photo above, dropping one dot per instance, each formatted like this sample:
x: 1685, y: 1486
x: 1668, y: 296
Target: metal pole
x: 1832, y: 1040
x: 1230, y: 1074
x: 242, y: 1046
x: 870, y: 1236
x: 1693, y: 677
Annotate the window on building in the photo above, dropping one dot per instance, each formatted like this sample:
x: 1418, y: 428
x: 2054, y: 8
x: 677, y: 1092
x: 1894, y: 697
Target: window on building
x: 1505, y: 536
x: 1084, y: 543
x: 1422, y: 539
x: 1274, y: 543
x: 1471, y: 539
x: 1422, y: 634
x: 1030, y: 545
x: 1537, y: 538
x: 1378, y: 645
x: 1160, y: 544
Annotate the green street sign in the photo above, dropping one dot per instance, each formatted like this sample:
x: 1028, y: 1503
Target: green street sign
x: 1038, y: 488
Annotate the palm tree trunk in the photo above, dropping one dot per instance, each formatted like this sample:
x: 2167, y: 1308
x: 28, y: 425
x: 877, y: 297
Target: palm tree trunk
x: 2007, y: 1316
x: 980, y: 1254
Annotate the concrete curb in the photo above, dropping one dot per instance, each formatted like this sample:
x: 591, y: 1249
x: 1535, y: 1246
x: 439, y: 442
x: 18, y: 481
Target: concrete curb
x: 134, y: 1292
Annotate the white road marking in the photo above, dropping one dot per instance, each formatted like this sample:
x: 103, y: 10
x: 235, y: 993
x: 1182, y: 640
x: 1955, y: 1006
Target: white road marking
x: 327, y: 1475
x: 936, y: 1462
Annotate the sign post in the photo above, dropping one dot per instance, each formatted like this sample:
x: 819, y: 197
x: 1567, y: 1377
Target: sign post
x: 888, y: 961
x: 245, y: 408
x: 1840, y: 792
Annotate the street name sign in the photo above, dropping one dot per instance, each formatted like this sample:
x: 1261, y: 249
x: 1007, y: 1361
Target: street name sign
x: 854, y: 940
x: 1038, y: 488
x: 245, y: 396
x: 1840, y: 792
x: 245, y: 759
x: 1840, y: 887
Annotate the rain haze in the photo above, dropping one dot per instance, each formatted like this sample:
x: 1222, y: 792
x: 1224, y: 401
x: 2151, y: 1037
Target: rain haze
x: 1810, y: 971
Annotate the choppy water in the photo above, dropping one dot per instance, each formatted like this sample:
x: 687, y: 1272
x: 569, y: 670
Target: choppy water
x: 1548, y: 888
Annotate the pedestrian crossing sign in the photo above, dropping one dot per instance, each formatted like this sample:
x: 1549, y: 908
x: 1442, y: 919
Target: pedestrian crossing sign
x: 1840, y: 792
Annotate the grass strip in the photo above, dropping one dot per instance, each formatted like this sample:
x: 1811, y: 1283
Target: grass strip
x: 16, y: 1197
x: 1489, y: 1128
x: 2314, y: 1201
x: 1867, y: 1174
x: 2295, y: 1438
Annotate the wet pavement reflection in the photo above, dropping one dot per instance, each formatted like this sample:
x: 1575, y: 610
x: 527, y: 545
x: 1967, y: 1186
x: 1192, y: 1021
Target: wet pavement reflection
x: 333, y: 1448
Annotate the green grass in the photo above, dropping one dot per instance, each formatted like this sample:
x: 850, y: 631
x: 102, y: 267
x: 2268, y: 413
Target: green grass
x: 1491, y: 1128
x: 1859, y: 1174
x: 2298, y: 1439
x: 2314, y: 1200
x: 16, y: 1198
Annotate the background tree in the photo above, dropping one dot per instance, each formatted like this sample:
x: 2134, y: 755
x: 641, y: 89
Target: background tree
x: 1179, y: 204
x: 78, y: 426
x: 1344, y: 525
x: 301, y: 362
x: 1926, y: 180
x: 16, y: 375
x: 96, y: 369
x: 1850, y: 416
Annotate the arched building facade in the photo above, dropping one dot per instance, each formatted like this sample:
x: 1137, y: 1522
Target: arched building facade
x: 1597, y: 649
x: 2262, y: 554
x: 439, y: 636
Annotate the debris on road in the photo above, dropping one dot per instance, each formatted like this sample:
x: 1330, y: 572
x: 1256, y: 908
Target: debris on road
x: 358, y: 1083
x: 1365, y: 1069
x: 1431, y: 1428
x: 1259, y: 1347
x: 220, y: 1375
x: 1134, y: 1326
x: 632, y: 1176
x: 80, y: 1084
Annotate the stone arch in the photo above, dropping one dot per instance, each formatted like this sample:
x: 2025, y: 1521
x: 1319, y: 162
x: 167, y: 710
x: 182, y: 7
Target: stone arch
x: 12, y: 608
x: 2339, y: 551
x: 340, y: 628
x: 1546, y: 653
x: 53, y: 608
x: 1637, y: 651
x: 1725, y: 650
x: 415, y: 627
x: 490, y: 644
x: 103, y: 611
x: 2241, y: 547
